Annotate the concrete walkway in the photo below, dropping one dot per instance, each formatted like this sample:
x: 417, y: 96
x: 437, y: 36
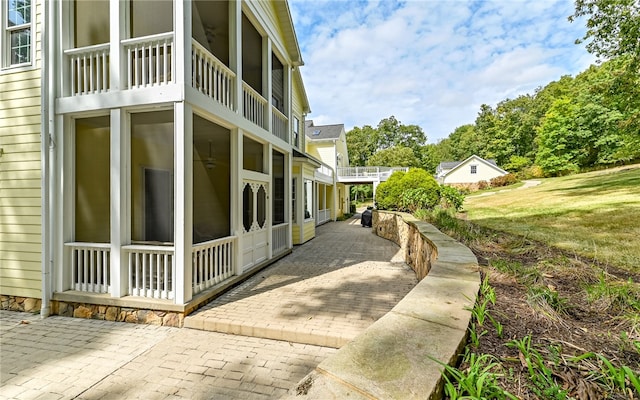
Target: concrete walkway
x: 325, y: 292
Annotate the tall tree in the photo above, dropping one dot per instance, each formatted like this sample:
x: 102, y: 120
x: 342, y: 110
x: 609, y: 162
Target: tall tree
x: 361, y: 144
x: 397, y: 156
x: 613, y: 27
x: 393, y: 133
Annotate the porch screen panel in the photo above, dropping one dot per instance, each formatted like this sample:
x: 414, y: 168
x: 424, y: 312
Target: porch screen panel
x: 253, y: 155
x: 277, y: 86
x: 211, y: 181
x: 151, y: 17
x: 210, y: 24
x: 91, y: 22
x: 92, y: 177
x: 278, y: 187
x: 152, y: 176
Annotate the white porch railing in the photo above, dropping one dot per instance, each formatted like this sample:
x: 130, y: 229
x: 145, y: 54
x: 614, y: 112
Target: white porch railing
x: 213, y: 262
x: 367, y: 173
x: 151, y: 271
x: 323, y: 216
x: 149, y: 60
x: 211, y: 76
x: 89, y: 69
x: 90, y: 267
x: 279, y: 123
x: 253, y: 106
x: 279, y: 238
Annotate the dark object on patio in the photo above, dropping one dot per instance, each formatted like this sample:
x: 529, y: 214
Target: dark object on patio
x: 366, y: 218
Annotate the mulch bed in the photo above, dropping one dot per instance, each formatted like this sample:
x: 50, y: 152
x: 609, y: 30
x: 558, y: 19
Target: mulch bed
x: 582, y: 326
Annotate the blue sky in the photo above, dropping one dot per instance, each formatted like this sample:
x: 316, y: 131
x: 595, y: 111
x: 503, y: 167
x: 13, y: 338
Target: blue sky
x: 430, y: 63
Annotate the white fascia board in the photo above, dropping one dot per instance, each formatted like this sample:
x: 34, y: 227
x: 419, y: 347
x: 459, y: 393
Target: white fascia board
x: 118, y: 99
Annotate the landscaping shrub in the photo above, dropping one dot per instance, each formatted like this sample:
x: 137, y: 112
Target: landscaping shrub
x: 399, y: 191
x: 419, y: 198
x: 389, y: 191
x: 505, y: 180
x: 451, y: 197
x: 533, y: 171
x: 483, y: 185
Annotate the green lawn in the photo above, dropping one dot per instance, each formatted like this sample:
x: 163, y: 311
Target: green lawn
x: 595, y: 214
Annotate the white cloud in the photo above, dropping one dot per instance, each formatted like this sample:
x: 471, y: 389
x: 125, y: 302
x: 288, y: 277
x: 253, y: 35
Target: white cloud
x: 430, y: 63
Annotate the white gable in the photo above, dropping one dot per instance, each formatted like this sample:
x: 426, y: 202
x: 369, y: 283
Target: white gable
x: 472, y: 170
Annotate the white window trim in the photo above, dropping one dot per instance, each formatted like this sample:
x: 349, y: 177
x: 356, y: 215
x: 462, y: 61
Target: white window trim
x: 5, y: 42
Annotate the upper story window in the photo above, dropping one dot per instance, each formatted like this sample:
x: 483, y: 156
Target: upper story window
x: 474, y: 169
x: 296, y: 132
x: 17, y: 33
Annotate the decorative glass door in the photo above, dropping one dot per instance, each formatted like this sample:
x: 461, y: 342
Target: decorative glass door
x: 255, y: 195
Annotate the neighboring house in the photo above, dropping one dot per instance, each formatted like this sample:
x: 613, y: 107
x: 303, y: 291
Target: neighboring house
x: 328, y: 143
x: 157, y: 169
x: 470, y: 171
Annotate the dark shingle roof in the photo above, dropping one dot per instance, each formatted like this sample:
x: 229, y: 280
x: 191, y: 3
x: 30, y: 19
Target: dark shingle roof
x: 448, y: 164
x: 322, y: 132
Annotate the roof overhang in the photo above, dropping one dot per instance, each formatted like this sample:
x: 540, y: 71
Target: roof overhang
x: 293, y: 47
x: 302, y: 157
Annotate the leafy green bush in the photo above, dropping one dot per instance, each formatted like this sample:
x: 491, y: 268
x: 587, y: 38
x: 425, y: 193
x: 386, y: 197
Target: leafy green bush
x: 389, y: 191
x: 506, y: 180
x: 517, y: 163
x: 533, y: 171
x: 398, y: 192
x: 419, y: 198
x: 451, y: 197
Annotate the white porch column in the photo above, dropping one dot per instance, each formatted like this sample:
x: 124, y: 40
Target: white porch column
x: 182, y: 39
x: 267, y: 84
x: 236, y: 195
x: 235, y: 51
x: 117, y: 23
x: 183, y: 212
x: 61, y: 226
x: 119, y: 202
x: 269, y: 205
x: 288, y: 178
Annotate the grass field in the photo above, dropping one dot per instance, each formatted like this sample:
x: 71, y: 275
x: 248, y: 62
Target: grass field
x: 595, y: 215
x: 549, y: 324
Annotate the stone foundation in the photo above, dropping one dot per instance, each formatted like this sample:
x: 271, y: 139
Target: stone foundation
x: 22, y: 304
x: 93, y: 311
x: 118, y: 314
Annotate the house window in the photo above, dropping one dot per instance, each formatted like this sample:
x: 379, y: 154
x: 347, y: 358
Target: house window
x: 296, y: 132
x: 17, y: 33
x: 293, y: 200
x: 474, y: 169
x: 308, y: 199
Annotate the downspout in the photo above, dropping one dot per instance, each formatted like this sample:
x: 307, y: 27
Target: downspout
x: 47, y: 149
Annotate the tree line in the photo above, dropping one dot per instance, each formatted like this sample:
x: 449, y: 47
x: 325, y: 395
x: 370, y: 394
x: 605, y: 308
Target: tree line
x: 573, y: 124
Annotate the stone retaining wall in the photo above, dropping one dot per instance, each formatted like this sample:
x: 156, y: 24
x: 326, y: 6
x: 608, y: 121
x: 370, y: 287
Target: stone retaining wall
x: 404, y: 230
x: 399, y: 356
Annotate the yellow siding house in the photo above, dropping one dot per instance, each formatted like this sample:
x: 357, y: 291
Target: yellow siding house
x: 151, y: 153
